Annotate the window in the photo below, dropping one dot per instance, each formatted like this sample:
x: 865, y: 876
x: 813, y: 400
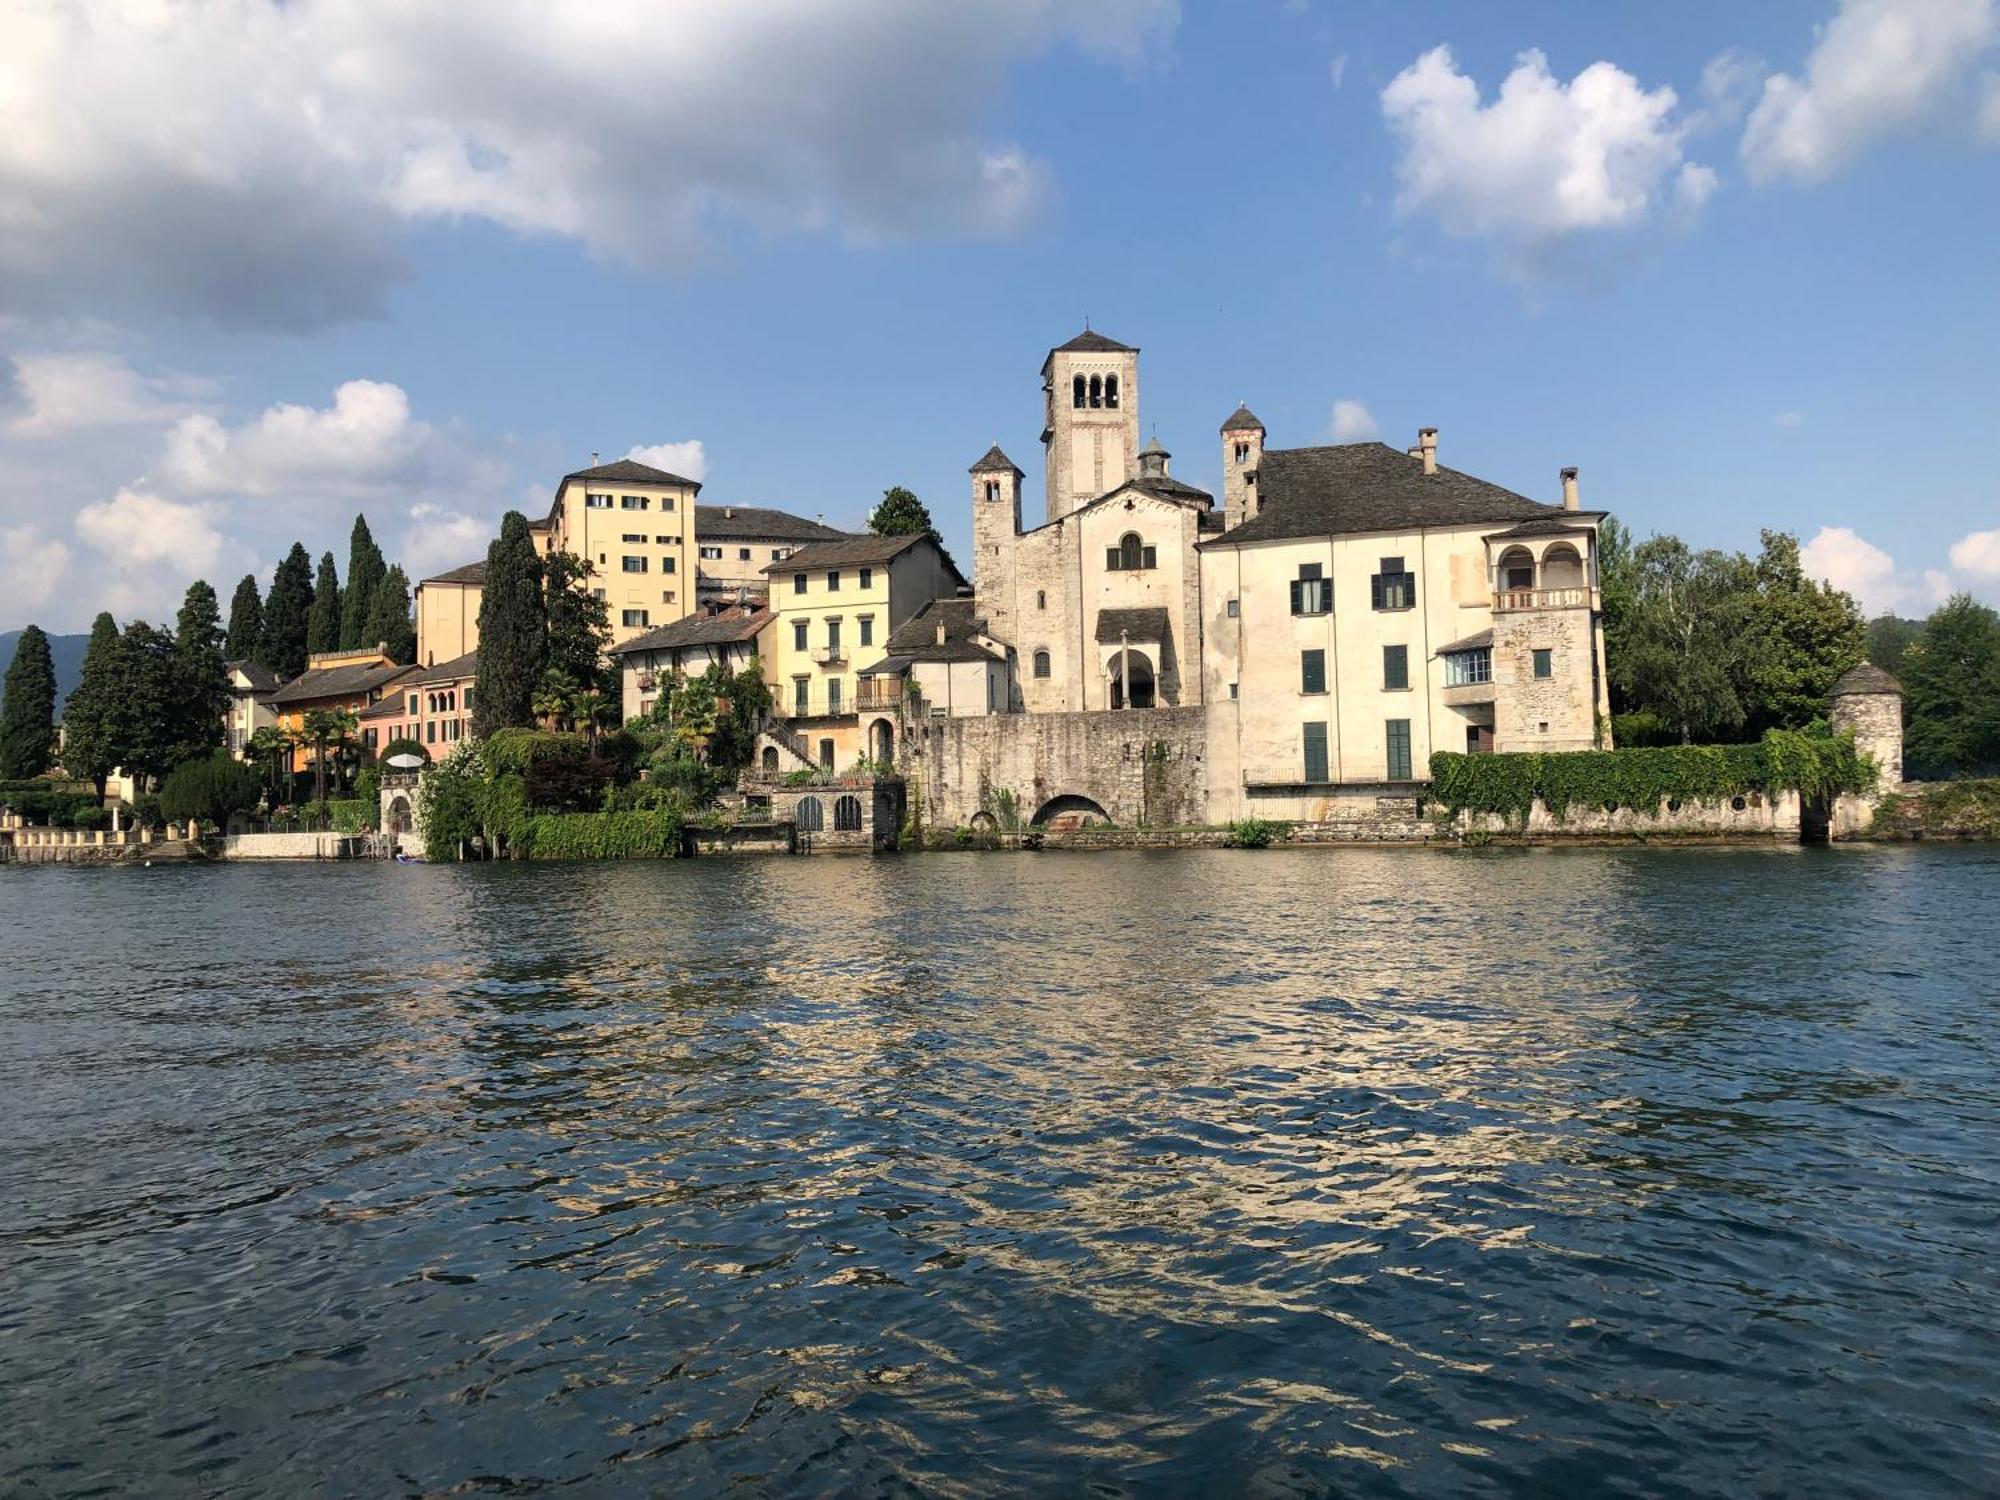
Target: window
x: 711, y: 554
x: 1130, y: 555
x: 1242, y: 452
x: 632, y: 564
x: 826, y: 754
x: 1232, y: 690
x: 1097, y: 390
x: 430, y: 732
x: 1311, y: 593
x: 1077, y: 389
x: 833, y: 580
x: 1041, y: 663
x: 799, y: 628
x: 638, y: 537
x: 1517, y: 569
x: 633, y: 502
x: 1392, y: 587
x: 1395, y: 669
x: 634, y: 617
x: 666, y: 541
x: 801, y: 688
x: 743, y: 554
x: 832, y: 699
x: 868, y: 578
x: 1398, y: 735
x: 1232, y: 609
x: 847, y: 815
x: 597, y: 593
x: 1312, y: 671
x: 833, y: 636
x: 867, y: 624
x: 811, y: 815
x: 597, y: 502
x: 1041, y: 598
x: 779, y: 554
x: 666, y: 596
x: 1462, y: 668
x: 1111, y: 390
x: 666, y: 502
x: 413, y: 705
x: 798, y: 583
x: 1545, y: 664
x: 367, y: 738
x: 1315, y: 747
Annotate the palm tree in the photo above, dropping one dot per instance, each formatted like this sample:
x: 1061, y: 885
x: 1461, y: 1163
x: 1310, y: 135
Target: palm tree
x: 322, y: 726
x: 346, y: 724
x: 594, y: 711
x: 554, y: 698
x: 272, y: 744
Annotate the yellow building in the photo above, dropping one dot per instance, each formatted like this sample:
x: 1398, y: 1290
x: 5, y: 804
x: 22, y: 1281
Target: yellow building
x: 634, y: 524
x: 351, y: 680
x: 834, y: 605
x: 447, y: 609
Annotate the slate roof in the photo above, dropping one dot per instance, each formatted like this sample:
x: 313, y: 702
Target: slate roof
x: 1866, y: 678
x: 1483, y: 641
x: 995, y: 462
x: 916, y: 639
x: 354, y: 681
x: 262, y: 678
x: 1360, y: 487
x: 472, y: 572
x: 1088, y: 342
x: 1148, y: 622
x: 447, y: 671
x: 721, y: 629
x: 631, y: 471
x: 851, y: 550
x: 1163, y: 485
x: 758, y: 523
x: 1243, y: 420
x: 1564, y: 525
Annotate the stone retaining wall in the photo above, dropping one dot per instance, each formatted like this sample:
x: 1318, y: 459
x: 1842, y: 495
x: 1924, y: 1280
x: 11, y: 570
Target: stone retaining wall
x: 291, y: 846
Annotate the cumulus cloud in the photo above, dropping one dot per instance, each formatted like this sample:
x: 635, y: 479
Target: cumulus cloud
x: 1877, y: 67
x: 1352, y: 422
x: 1989, y: 108
x: 34, y: 569
x: 689, y: 459
x: 149, y: 548
x: 437, y: 538
x: 1544, y: 160
x: 1977, y: 553
x: 255, y: 160
x: 1849, y: 561
x: 62, y: 392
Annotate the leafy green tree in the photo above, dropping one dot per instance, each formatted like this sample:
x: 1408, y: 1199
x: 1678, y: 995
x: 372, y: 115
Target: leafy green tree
x: 901, y: 513
x: 579, y: 621
x: 246, y: 622
x: 28, y: 708
x: 365, y: 572
x: 389, y: 618
x: 210, y: 790
x: 1682, y: 642
x: 152, y: 717
x: 1951, y: 687
x: 1889, y: 636
x: 513, y: 631
x: 1804, y: 635
x: 717, y: 714
x: 554, y: 696
x: 287, y: 609
x: 323, y: 619
x: 91, y: 713
x: 201, y: 678
x: 329, y: 731
x: 273, y: 747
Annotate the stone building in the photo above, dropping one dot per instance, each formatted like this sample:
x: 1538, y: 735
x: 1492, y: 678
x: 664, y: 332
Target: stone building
x: 731, y: 636
x: 735, y: 543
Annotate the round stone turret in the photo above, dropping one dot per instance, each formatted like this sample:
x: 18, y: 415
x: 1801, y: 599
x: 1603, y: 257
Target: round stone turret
x: 1868, y: 702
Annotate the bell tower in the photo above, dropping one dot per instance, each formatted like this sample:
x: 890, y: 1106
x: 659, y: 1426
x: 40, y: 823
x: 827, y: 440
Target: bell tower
x: 1242, y: 451
x: 1090, y: 427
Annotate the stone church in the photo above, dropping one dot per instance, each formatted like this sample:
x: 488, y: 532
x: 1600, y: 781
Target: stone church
x: 1100, y: 604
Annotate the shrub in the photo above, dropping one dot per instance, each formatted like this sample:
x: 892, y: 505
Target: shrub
x: 92, y: 817
x: 1255, y: 833
x: 213, y: 789
x: 353, y: 814
x: 620, y: 835
x: 566, y: 783
x: 405, y: 746
x: 514, y: 750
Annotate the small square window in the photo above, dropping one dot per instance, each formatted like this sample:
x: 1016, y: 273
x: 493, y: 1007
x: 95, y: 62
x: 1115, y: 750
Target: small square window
x: 1231, y: 609
x: 743, y: 554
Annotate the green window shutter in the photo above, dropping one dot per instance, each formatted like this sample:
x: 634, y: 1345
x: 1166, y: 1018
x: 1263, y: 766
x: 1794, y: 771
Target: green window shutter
x: 1395, y: 667
x: 1315, y: 752
x: 1312, y: 671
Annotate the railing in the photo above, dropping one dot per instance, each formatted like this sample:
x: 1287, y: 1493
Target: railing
x: 789, y: 738
x: 826, y: 656
x: 878, y: 693
x: 1517, y: 599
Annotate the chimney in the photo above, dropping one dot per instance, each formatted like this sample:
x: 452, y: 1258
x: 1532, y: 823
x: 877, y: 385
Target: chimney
x: 593, y: 458
x: 728, y: 512
x: 1569, y: 488
x: 1427, y: 442
x: 940, y: 630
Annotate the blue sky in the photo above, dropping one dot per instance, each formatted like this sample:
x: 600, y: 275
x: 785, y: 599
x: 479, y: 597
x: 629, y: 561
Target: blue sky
x: 830, y: 245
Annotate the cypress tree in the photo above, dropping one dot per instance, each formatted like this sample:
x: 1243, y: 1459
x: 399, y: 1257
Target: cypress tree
x: 365, y: 571
x: 513, y: 630
x: 28, y: 708
x: 150, y: 715
x: 201, y: 684
x: 323, y: 619
x: 246, y: 622
x: 389, y: 618
x: 90, y: 717
x: 285, y: 612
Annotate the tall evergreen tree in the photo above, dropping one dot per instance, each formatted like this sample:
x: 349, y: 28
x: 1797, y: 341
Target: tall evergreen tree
x: 246, y: 622
x: 201, y: 678
x: 389, y: 618
x: 323, y: 620
x: 579, y: 622
x: 513, y: 630
x: 28, y: 708
x: 285, y: 613
x: 1951, y: 687
x: 91, y: 729
x: 151, y: 715
x: 1803, y: 635
x: 365, y: 571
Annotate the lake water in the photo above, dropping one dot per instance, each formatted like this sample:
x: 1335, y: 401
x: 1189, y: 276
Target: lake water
x: 1365, y: 1172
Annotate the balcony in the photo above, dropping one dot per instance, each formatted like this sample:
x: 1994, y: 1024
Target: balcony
x: 830, y: 656
x: 878, y: 693
x: 1512, y: 600
x: 648, y: 681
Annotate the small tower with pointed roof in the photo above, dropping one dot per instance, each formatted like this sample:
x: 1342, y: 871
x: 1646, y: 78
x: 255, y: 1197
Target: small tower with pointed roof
x: 1242, y: 451
x: 1090, y: 429
x: 1867, y: 703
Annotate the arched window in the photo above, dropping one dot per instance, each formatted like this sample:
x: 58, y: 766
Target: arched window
x: 992, y: 489
x: 771, y: 759
x: 1517, y: 569
x: 1041, y: 663
x: 847, y: 815
x: 1041, y: 598
x: 1133, y: 554
x: 1096, y: 390
x: 810, y: 815
x: 1077, y: 388
x: 1111, y: 390
x: 1562, y: 568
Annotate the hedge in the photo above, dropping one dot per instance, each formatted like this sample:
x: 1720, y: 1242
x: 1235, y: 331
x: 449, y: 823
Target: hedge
x: 1815, y: 765
x: 608, y: 835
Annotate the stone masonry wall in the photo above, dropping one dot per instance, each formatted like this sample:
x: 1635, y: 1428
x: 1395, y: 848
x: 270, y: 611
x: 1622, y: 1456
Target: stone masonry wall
x: 1143, y: 767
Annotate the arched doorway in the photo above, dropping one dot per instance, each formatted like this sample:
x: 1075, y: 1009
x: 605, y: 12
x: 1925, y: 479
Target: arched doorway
x: 1131, y: 670
x: 398, y: 820
x: 1070, y: 811
x: 882, y: 742
x: 1517, y: 570
x: 770, y: 760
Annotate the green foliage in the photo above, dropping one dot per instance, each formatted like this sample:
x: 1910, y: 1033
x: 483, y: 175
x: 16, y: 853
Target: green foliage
x: 27, y: 708
x: 41, y: 801
x: 352, y: 814
x: 1942, y: 809
x: 579, y: 623
x: 447, y: 803
x: 1256, y: 833
x: 246, y: 622
x: 1007, y: 808
x: 365, y: 572
x: 513, y: 629
x: 901, y: 513
x: 1889, y: 636
x: 566, y: 783
x: 716, y: 714
x: 403, y: 745
x: 287, y: 609
x: 212, y: 790
x: 201, y: 676
x: 368, y: 787
x: 1639, y: 728
x: 147, y: 812
x: 90, y: 716
x: 605, y: 835
x: 1816, y: 765
x: 331, y: 734
x: 150, y: 730
x: 389, y: 619
x: 804, y: 776
x: 512, y: 751
x: 1951, y: 683
x: 91, y: 817
x: 323, y: 619
x: 1804, y: 635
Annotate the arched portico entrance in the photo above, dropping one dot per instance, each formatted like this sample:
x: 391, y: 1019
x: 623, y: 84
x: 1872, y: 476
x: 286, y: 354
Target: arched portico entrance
x: 1132, y: 684
x: 398, y: 820
x: 1070, y: 811
x: 882, y: 742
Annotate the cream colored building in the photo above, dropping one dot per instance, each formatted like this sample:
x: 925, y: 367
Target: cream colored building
x: 1369, y: 606
x: 447, y: 611
x: 734, y: 544
x: 835, y: 606
x: 251, y: 688
x: 634, y: 524
x: 733, y: 637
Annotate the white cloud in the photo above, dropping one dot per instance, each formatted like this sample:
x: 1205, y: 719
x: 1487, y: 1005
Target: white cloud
x: 273, y: 151
x: 1977, y: 553
x: 1544, y: 160
x: 149, y: 549
x: 1352, y: 422
x: 1989, y: 108
x: 1849, y: 561
x: 438, y: 538
x: 1729, y: 84
x: 1789, y: 419
x: 1877, y: 66
x: 62, y: 392
x: 687, y: 459
x: 1337, y: 70
x: 34, y: 568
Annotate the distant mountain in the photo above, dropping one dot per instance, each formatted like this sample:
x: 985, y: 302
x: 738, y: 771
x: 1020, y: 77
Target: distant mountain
x: 65, y: 650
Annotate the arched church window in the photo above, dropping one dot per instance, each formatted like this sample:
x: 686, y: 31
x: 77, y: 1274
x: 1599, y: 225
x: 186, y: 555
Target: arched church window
x: 992, y: 489
x: 1111, y: 390
x: 1041, y: 663
x: 1096, y: 390
x: 1131, y: 552
x: 1077, y: 391
x: 1242, y: 452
